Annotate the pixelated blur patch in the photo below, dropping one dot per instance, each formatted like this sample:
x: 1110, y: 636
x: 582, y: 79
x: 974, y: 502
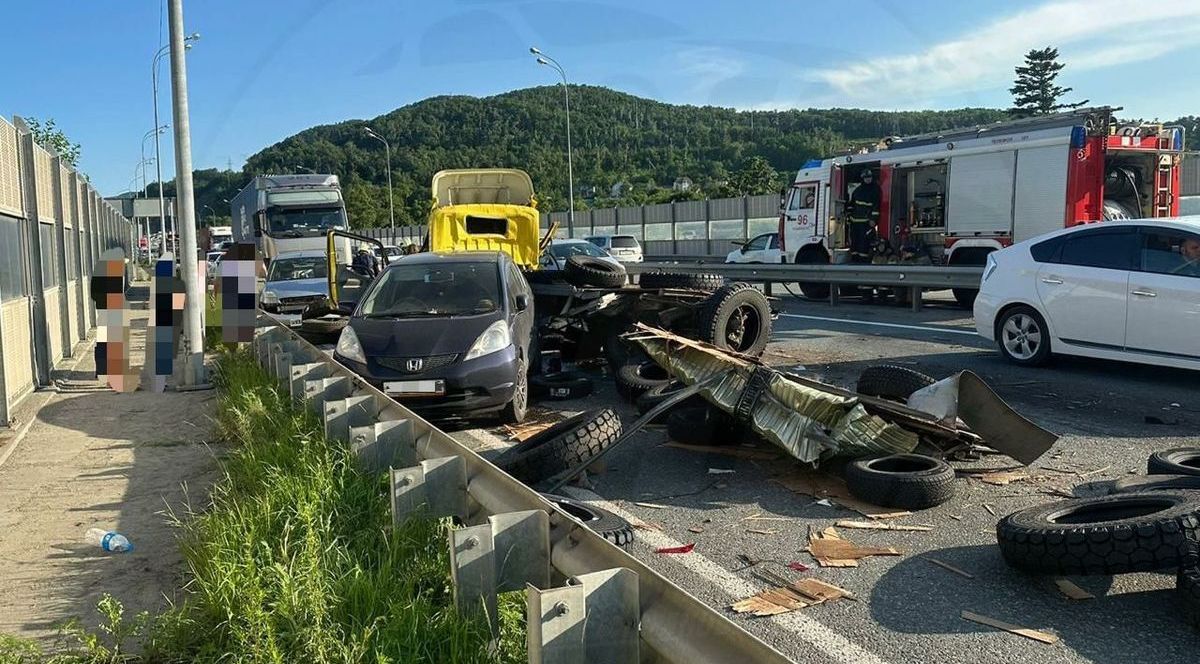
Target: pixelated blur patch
x: 238, y: 286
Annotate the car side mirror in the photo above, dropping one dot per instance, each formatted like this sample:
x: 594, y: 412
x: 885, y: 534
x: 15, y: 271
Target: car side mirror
x: 522, y: 301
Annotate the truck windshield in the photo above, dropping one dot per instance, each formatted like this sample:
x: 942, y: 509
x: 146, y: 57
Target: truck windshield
x: 451, y: 289
x: 290, y: 269
x: 303, y: 222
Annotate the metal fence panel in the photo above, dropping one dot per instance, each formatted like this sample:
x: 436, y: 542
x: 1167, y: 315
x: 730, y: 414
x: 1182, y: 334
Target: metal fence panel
x: 660, y: 213
x: 690, y: 210
x: 10, y: 173
x: 43, y: 178
x: 766, y: 205
x: 726, y: 208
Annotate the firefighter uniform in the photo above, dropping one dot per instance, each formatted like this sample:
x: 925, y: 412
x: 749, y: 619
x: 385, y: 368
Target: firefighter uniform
x: 864, y: 214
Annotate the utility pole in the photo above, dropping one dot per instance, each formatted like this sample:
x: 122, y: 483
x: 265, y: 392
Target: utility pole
x: 543, y: 59
x: 162, y: 201
x: 388, y: 155
x: 193, y: 374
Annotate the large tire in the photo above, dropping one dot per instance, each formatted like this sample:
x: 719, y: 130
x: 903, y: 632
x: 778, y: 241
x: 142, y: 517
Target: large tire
x: 562, y: 446
x: 1130, y: 532
x: 1116, y: 211
x: 889, y: 381
x: 600, y: 521
x: 736, y: 317
x: 592, y: 271
x: 635, y: 378
x: 906, y: 481
x: 1188, y: 583
x: 812, y: 290
x: 702, y: 425
x: 561, y: 385
x: 1178, y: 461
x: 704, y: 282
x: 1139, y: 483
x: 1025, y: 328
x: 965, y: 297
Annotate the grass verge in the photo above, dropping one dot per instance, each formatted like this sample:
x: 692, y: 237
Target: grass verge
x: 295, y: 559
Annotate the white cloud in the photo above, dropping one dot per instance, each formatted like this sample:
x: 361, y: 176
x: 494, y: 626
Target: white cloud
x: 1090, y: 34
x: 708, y: 66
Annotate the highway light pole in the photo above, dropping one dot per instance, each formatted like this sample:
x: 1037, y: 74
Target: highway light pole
x: 388, y: 152
x: 162, y: 200
x: 212, y: 214
x: 543, y: 59
x: 193, y: 374
x: 153, y: 132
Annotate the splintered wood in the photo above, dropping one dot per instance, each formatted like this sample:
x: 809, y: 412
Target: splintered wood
x: 1010, y: 628
x: 819, y: 485
x: 830, y: 550
x: 797, y: 595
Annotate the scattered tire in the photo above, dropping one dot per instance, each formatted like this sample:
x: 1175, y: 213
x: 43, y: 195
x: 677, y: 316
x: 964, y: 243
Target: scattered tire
x: 635, y: 378
x: 1129, y: 532
x: 1156, y: 483
x: 736, y: 317
x: 889, y: 381
x: 561, y: 385
x: 1023, y: 337
x: 1178, y: 461
x: 592, y: 271
x: 562, y: 446
x: 600, y: 521
x: 704, y: 282
x: 702, y: 425
x: 1187, y: 585
x: 906, y: 481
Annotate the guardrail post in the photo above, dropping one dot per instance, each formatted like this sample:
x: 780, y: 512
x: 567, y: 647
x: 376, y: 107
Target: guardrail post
x: 593, y: 619
x: 377, y: 446
x: 320, y: 390
x: 304, y: 372
x: 509, y: 552
x: 835, y: 293
x: 915, y: 293
x: 341, y: 414
x: 436, y: 487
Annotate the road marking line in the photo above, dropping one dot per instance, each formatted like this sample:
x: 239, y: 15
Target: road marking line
x: 813, y: 632
x: 852, y: 321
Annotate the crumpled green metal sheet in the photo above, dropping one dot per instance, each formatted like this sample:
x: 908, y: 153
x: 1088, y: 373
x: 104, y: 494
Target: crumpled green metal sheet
x: 810, y: 424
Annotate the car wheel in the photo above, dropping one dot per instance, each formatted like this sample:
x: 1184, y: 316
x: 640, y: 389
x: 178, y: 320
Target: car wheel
x: 514, y: 411
x: 1022, y: 336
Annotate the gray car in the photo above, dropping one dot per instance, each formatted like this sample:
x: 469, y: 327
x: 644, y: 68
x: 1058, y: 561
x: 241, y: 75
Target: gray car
x: 295, y: 280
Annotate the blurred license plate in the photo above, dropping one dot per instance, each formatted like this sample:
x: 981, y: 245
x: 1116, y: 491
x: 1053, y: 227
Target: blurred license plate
x: 414, y: 388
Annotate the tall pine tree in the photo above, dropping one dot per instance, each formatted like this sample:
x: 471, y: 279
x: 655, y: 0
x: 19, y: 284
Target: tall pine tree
x: 1034, y: 91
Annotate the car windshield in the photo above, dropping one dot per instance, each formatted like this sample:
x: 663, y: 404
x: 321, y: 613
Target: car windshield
x: 449, y: 289
x: 624, y: 242
x: 568, y: 249
x: 291, y: 269
x: 303, y: 222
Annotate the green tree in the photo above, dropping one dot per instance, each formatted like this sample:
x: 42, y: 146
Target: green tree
x: 49, y: 136
x: 754, y: 177
x: 364, y: 208
x: 1034, y: 90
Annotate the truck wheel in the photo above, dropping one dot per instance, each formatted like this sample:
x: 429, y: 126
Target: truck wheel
x: 813, y: 290
x: 591, y: 271
x: 736, y: 317
x: 562, y: 446
x: 965, y: 297
x: 1140, y: 483
x: 906, y: 481
x: 635, y: 378
x: 1023, y: 337
x: 702, y: 425
x: 888, y: 381
x: 1178, y: 461
x: 600, y: 521
x: 704, y: 282
x: 1128, y: 532
x: 1188, y: 583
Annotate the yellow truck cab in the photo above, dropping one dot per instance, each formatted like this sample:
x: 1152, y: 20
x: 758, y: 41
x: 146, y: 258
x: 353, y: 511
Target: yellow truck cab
x: 485, y: 209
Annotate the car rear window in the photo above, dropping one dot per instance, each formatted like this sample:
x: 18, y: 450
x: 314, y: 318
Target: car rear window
x: 624, y: 242
x: 426, y: 290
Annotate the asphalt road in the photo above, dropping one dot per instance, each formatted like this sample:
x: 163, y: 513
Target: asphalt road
x: 907, y: 610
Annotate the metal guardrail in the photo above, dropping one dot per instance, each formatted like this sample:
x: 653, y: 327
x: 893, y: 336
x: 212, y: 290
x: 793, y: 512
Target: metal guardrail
x: 514, y: 538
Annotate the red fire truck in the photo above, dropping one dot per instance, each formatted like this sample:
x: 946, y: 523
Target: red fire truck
x: 952, y: 197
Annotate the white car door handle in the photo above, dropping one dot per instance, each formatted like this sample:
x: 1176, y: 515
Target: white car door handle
x: 1144, y: 293
x: 1051, y: 280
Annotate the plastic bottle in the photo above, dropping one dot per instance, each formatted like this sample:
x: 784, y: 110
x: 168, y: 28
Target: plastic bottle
x: 109, y: 540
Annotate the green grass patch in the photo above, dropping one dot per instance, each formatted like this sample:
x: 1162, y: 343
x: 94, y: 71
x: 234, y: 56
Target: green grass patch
x: 295, y: 558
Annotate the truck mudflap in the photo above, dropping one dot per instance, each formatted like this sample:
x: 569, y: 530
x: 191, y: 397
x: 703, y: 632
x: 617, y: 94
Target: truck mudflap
x: 813, y: 421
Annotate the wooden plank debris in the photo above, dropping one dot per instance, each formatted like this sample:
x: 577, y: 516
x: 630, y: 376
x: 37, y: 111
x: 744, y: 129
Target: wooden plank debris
x: 797, y: 595
x: 830, y: 550
x: 877, y: 525
x: 822, y: 486
x: 1072, y: 591
x: 1034, y: 634
x: 950, y: 567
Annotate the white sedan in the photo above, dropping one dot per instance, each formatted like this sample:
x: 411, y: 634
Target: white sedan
x: 761, y: 249
x: 1120, y: 290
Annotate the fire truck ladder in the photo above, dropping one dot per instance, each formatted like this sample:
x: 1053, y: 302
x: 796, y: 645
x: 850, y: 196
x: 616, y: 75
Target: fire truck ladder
x: 1163, y: 196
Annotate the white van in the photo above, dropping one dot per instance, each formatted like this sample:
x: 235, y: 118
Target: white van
x: 624, y: 248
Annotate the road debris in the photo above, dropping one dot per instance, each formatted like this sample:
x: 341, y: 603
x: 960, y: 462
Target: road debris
x: 645, y: 525
x: 739, y: 452
x: 1072, y: 591
x: 1001, y: 477
x: 950, y: 567
x: 721, y: 471
x: 759, y: 517
x: 830, y: 550
x: 1034, y: 634
x: 695, y: 530
x: 796, y: 595
x: 686, y: 548
x: 876, y: 525
x: 798, y: 567
x: 989, y: 509
x: 762, y: 532
x: 653, y: 506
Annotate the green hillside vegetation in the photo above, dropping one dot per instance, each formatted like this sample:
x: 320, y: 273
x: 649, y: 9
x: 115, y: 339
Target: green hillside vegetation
x: 617, y: 139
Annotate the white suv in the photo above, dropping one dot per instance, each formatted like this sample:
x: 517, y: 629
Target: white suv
x: 624, y: 248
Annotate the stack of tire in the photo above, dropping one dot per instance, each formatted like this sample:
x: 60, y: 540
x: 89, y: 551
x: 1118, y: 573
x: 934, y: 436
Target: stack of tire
x: 1145, y: 524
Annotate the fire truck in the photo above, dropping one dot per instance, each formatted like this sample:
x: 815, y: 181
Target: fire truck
x: 953, y: 197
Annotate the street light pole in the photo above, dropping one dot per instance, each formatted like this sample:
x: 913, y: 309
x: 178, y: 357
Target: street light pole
x: 162, y: 200
x: 212, y: 214
x: 193, y: 373
x: 153, y: 132
x: 388, y: 155
x: 544, y: 59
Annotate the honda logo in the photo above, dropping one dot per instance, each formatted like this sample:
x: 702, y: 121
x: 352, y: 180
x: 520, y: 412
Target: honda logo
x: 415, y: 364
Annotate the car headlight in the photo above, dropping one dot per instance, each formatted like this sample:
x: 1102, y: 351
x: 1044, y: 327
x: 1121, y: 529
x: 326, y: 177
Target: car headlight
x: 269, y: 297
x: 495, y: 338
x: 349, y: 347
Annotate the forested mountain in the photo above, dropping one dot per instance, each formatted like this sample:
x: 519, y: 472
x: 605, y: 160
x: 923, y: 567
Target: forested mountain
x: 616, y: 138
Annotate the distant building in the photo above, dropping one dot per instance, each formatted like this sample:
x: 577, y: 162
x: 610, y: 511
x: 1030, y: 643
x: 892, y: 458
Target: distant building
x: 682, y: 183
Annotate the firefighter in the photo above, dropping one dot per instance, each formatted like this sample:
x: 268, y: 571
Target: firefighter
x: 364, y: 263
x: 864, y: 215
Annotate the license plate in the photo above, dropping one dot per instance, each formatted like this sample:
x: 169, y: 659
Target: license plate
x: 414, y: 388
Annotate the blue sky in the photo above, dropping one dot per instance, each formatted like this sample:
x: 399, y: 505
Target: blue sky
x: 265, y: 69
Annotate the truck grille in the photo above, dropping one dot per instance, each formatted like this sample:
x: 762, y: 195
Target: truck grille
x: 402, y: 365
x: 299, y: 302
